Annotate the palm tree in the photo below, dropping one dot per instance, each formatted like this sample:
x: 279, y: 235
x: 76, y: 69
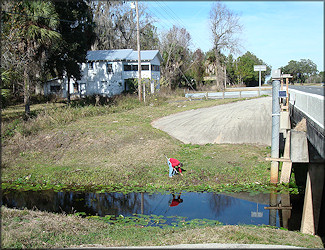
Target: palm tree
x: 32, y: 24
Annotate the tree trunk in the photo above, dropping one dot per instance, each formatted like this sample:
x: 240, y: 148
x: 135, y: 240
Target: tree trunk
x: 26, y: 94
x: 217, y: 69
x: 68, y: 91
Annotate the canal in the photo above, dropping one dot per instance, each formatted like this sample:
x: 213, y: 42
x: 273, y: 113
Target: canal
x: 279, y: 210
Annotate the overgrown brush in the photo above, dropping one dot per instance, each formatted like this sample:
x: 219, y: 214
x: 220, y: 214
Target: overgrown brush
x: 50, y: 117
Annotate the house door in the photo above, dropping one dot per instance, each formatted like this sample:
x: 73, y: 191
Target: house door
x: 130, y: 85
x: 75, y: 88
x: 82, y: 89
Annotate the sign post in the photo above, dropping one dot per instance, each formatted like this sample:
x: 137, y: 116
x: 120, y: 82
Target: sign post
x: 259, y: 68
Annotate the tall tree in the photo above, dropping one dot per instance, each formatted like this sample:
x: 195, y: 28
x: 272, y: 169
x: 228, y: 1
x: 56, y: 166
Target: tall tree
x: 116, y: 26
x: 31, y: 26
x: 245, y: 69
x: 77, y: 30
x: 176, y: 56
x: 300, y: 70
x: 224, y: 26
x: 197, y: 67
x: 230, y: 70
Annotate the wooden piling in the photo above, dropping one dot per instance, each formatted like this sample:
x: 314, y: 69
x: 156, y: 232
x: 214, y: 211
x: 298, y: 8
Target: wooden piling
x: 287, y: 165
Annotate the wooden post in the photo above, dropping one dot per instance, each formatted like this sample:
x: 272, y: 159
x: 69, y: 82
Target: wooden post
x: 142, y: 203
x: 286, y: 213
x: 313, y: 198
x: 287, y: 165
x: 273, y: 212
x: 287, y: 89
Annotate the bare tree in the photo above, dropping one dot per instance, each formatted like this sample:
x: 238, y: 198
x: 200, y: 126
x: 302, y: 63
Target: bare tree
x: 224, y: 25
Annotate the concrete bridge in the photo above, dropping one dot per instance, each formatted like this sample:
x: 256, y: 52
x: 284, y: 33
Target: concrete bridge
x: 310, y: 107
x: 305, y: 148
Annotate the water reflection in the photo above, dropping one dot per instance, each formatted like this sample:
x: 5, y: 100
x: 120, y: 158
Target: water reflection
x: 232, y: 209
x: 175, y: 201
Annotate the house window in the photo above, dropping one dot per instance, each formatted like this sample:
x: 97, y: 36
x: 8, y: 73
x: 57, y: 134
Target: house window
x: 55, y: 88
x: 132, y: 67
x: 127, y: 67
x: 91, y: 65
x: 155, y: 68
x: 109, y: 67
x: 144, y: 67
x: 75, y: 87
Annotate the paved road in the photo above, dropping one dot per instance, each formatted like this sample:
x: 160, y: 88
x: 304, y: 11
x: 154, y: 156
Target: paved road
x: 318, y: 90
x: 248, y: 121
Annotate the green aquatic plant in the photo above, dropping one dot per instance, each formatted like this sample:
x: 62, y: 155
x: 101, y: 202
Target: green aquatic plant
x: 154, y: 220
x: 21, y: 184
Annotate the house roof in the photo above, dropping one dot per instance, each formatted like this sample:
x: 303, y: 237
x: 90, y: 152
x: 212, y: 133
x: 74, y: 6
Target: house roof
x: 122, y: 55
x: 146, y: 55
x: 108, y: 55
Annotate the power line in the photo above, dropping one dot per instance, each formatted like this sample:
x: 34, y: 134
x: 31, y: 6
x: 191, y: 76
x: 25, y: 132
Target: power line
x: 175, y: 19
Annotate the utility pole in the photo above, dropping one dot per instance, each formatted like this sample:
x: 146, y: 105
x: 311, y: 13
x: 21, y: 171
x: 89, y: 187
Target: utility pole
x: 139, y: 52
x: 276, y: 76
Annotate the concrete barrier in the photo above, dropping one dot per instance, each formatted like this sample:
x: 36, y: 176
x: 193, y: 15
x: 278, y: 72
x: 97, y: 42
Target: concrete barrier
x: 310, y: 104
x: 230, y: 93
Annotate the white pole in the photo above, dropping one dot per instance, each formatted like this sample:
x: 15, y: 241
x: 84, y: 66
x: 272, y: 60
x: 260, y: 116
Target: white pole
x: 259, y: 83
x: 275, y: 130
x: 139, y: 56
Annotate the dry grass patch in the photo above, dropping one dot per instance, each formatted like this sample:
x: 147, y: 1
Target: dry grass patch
x: 35, y: 229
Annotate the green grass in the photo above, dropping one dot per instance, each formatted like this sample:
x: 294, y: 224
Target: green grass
x: 35, y: 229
x: 114, y: 147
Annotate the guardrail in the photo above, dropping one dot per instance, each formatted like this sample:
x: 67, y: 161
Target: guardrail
x: 231, y: 93
x: 311, y: 105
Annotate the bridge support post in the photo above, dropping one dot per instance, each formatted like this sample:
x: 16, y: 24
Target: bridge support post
x: 273, y: 212
x: 275, y: 131
x: 286, y: 165
x: 286, y: 213
x: 313, y: 198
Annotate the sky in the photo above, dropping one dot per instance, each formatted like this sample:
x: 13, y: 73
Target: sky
x: 275, y: 31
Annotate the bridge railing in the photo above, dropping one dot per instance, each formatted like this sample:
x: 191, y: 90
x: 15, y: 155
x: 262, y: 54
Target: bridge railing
x: 310, y: 104
x: 230, y: 93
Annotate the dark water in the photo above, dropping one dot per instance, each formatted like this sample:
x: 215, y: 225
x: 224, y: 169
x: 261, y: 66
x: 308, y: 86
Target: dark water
x: 231, y: 209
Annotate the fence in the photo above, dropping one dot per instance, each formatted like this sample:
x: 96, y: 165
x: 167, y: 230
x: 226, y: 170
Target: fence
x: 231, y: 93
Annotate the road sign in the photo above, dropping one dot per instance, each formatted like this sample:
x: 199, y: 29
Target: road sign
x: 282, y: 93
x: 259, y: 67
x: 286, y: 76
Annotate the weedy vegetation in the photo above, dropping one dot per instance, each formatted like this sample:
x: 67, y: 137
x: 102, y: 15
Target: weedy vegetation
x: 35, y: 229
x: 110, y: 146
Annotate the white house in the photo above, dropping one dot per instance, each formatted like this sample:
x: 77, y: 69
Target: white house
x: 108, y: 73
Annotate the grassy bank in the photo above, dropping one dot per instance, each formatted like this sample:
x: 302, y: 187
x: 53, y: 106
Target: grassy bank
x: 34, y: 229
x: 115, y: 148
